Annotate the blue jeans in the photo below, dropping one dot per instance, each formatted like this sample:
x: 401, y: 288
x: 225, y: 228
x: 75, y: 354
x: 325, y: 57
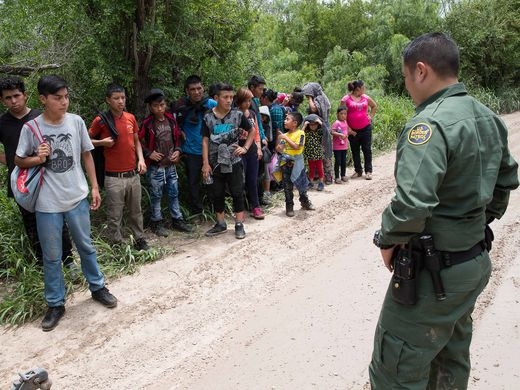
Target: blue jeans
x: 159, y: 179
x: 50, y: 226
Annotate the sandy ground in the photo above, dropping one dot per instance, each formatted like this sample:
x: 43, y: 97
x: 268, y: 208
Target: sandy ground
x: 293, y: 306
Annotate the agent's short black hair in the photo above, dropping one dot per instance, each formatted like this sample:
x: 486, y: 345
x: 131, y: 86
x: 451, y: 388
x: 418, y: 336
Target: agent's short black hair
x: 219, y: 87
x: 49, y: 85
x: 192, y: 79
x: 436, y: 49
x: 11, y: 83
x: 113, y: 88
x: 255, y: 81
x: 296, y: 116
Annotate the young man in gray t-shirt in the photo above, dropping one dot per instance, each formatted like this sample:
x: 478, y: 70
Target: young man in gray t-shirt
x: 63, y: 195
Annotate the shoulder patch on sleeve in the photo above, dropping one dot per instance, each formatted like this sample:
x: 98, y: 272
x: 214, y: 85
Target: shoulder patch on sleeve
x: 419, y: 134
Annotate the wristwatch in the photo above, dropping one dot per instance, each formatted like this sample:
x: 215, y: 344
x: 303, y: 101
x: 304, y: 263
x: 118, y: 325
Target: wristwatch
x: 377, y: 241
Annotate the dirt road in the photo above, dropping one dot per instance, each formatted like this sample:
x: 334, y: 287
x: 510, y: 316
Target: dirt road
x: 293, y: 306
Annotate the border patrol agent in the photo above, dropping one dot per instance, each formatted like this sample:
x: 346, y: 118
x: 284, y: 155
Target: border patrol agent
x: 454, y: 173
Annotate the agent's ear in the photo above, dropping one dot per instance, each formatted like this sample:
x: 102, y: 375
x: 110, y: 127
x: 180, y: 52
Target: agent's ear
x: 421, y: 71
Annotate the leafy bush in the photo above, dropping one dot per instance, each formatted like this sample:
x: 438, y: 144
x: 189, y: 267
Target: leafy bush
x: 392, y: 114
x: 501, y: 101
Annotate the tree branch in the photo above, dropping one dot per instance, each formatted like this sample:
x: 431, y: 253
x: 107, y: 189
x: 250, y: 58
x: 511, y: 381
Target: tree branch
x: 26, y: 70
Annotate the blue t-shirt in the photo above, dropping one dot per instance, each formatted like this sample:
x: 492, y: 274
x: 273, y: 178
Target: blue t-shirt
x: 190, y: 123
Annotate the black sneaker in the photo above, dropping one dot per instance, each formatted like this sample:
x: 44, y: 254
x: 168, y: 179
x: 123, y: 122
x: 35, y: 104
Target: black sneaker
x: 239, y: 230
x: 104, y: 297
x: 216, y: 230
x: 141, y: 245
x: 182, y: 226
x: 308, y: 206
x: 159, y: 229
x: 52, y: 317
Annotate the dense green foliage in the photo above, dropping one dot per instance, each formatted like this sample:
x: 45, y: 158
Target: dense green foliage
x: 157, y: 43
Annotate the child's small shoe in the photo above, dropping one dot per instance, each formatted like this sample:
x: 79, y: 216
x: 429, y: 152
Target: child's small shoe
x: 321, y: 186
x: 257, y: 213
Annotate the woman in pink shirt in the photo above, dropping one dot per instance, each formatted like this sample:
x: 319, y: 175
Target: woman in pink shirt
x: 361, y: 109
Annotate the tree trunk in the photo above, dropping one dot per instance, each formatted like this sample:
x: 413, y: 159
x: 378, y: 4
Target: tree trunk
x: 142, y: 52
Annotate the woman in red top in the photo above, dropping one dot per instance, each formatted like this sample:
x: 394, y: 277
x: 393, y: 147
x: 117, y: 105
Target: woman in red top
x: 361, y: 109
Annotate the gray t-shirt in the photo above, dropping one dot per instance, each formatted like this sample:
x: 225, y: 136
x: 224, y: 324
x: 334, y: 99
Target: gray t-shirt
x: 64, y: 183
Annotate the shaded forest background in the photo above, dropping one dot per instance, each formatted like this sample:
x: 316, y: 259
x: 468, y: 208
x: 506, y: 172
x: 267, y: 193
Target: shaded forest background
x: 157, y: 43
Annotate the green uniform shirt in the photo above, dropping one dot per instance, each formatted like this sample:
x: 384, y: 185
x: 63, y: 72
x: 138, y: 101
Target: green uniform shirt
x: 453, y: 171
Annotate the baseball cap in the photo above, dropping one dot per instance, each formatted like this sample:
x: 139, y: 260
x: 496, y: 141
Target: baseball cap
x: 281, y: 97
x: 154, y: 94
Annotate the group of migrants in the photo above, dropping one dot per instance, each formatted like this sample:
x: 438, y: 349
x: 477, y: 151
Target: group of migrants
x: 246, y: 143
x: 454, y: 173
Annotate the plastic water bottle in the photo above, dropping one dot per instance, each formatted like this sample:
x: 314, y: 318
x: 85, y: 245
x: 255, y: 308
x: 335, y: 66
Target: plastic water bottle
x: 208, y: 180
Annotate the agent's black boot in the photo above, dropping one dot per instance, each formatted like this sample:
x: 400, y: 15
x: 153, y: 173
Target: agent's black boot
x: 289, y: 210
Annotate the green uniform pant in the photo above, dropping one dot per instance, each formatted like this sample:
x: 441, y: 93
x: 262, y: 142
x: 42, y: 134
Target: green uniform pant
x: 426, y: 346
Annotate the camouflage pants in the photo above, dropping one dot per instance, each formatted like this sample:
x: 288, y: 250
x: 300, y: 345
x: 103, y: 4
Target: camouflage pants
x: 426, y: 346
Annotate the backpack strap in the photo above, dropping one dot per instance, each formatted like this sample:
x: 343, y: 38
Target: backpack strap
x: 38, y: 134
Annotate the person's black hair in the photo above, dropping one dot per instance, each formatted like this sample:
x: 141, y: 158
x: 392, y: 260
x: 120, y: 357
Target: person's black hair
x: 255, y: 81
x: 212, y: 90
x: 270, y: 95
x: 354, y: 85
x: 296, y: 116
x: 157, y: 99
x: 192, y: 79
x: 49, y: 85
x: 436, y: 49
x: 297, y: 97
x: 219, y: 87
x: 341, y: 108
x: 113, y: 88
x: 11, y: 83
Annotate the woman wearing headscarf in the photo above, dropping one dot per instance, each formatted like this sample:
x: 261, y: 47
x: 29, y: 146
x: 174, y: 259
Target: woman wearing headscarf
x: 319, y: 104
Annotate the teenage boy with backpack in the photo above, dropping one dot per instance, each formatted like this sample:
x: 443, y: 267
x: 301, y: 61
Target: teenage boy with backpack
x: 14, y: 97
x: 63, y: 195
